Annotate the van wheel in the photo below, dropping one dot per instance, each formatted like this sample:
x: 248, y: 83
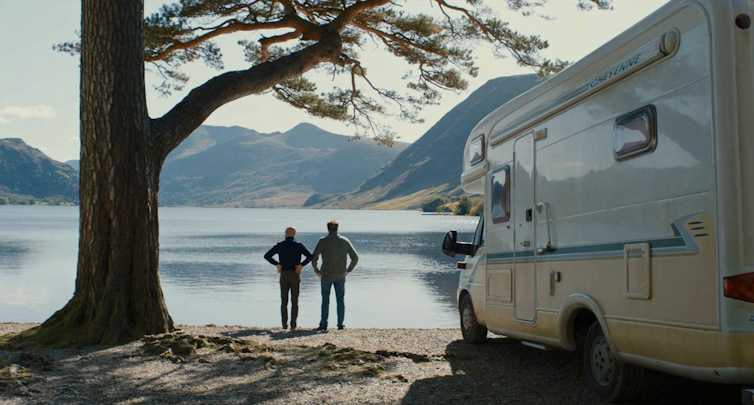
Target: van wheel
x: 608, y: 377
x: 473, y: 331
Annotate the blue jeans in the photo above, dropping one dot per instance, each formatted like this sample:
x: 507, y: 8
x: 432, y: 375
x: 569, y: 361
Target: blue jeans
x: 340, y: 294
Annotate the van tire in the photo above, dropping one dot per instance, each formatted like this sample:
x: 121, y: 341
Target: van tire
x: 473, y: 331
x: 608, y: 377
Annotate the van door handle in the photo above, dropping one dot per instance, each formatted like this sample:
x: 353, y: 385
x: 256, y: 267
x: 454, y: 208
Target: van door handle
x: 525, y: 243
x: 548, y: 220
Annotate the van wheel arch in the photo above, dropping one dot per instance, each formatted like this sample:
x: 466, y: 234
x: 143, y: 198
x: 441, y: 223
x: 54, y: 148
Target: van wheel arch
x: 473, y: 332
x: 577, y: 314
x: 461, y: 295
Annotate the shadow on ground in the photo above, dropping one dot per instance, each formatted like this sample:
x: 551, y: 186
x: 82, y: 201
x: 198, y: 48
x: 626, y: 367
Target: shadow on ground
x: 206, y: 369
x: 280, y: 334
x: 502, y: 371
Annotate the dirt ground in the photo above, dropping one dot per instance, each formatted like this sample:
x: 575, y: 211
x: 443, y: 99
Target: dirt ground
x: 242, y: 365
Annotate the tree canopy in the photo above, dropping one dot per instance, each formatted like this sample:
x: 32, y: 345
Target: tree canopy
x: 436, y: 39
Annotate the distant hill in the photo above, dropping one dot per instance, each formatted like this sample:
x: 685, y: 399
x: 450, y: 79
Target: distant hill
x: 432, y: 165
x: 74, y: 164
x: 221, y: 166
x: 27, y: 174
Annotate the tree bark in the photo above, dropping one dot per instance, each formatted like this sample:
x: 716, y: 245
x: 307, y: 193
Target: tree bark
x: 118, y: 295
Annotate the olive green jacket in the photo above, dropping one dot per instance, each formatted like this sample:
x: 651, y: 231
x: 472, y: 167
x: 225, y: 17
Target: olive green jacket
x: 334, y: 249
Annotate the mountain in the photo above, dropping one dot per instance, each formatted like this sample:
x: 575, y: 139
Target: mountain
x: 234, y: 166
x: 74, y: 164
x: 432, y: 165
x: 28, y: 174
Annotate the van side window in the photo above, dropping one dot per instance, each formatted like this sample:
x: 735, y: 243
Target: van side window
x: 635, y: 133
x: 476, y: 150
x: 501, y: 196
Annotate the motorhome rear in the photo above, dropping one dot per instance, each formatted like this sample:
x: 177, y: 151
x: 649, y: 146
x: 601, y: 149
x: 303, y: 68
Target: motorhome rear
x: 619, y: 205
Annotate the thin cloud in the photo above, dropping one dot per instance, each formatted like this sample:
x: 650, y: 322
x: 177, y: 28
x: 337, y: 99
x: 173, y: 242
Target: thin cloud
x: 12, y: 113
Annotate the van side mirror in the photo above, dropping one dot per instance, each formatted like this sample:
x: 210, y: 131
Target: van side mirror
x: 451, y: 247
x: 449, y: 244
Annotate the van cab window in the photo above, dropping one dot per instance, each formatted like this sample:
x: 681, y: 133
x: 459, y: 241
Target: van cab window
x: 501, y: 195
x: 635, y: 133
x: 479, y: 234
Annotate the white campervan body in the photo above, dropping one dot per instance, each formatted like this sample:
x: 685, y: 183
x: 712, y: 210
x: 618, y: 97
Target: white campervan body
x: 619, y: 204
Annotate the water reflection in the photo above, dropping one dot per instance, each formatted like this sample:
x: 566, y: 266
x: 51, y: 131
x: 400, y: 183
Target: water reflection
x: 12, y: 255
x: 205, y: 275
x: 212, y: 269
x: 402, y: 280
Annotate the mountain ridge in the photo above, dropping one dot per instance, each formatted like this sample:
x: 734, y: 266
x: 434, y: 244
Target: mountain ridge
x: 222, y: 166
x: 27, y: 175
x: 432, y: 165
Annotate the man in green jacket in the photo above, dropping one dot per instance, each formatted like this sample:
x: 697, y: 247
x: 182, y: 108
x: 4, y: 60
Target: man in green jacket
x: 334, y: 249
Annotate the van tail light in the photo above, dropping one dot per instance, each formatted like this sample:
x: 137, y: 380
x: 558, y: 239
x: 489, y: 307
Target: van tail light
x: 740, y: 287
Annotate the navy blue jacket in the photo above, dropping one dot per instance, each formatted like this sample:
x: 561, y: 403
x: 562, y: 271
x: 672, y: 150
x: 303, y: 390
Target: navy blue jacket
x: 289, y: 253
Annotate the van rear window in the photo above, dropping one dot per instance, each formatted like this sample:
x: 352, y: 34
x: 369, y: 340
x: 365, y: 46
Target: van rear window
x: 635, y: 133
x: 501, y: 196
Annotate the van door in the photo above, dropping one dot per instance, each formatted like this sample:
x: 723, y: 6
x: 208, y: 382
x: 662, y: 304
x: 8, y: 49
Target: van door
x: 523, y: 220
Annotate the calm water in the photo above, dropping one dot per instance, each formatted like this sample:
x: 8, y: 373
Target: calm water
x: 212, y: 268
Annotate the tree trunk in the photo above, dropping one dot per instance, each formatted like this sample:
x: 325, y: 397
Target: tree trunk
x: 118, y: 295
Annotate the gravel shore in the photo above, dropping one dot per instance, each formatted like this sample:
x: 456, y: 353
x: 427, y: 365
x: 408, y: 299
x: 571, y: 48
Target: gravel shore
x: 245, y: 365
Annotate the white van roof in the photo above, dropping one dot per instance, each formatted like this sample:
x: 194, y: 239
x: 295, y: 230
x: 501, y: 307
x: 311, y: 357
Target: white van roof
x: 598, y: 60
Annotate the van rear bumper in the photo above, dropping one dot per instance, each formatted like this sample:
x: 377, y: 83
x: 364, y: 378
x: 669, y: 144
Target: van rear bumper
x: 712, y: 356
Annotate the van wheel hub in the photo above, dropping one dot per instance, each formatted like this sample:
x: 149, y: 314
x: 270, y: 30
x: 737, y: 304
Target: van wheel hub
x: 468, y: 318
x: 602, y: 361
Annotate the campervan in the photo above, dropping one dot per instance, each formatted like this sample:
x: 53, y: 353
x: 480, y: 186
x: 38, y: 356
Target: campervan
x: 619, y: 205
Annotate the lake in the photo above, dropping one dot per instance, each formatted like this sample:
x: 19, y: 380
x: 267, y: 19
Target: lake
x: 213, y: 271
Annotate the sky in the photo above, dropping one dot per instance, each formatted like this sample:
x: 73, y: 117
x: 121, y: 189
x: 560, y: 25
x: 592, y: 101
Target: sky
x: 39, y: 88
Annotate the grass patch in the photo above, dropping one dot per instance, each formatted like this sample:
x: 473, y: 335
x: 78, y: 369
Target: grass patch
x: 177, y: 347
x: 17, y: 370
x: 42, y: 338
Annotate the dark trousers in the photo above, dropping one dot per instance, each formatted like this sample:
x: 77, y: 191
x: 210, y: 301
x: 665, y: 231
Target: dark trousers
x: 289, y: 281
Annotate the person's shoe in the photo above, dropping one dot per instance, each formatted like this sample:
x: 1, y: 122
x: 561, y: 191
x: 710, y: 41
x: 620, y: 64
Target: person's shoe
x: 293, y: 328
x: 322, y: 328
x: 285, y: 326
x: 341, y: 327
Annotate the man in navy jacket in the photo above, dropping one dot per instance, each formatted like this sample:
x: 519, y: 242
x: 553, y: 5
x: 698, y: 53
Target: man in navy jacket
x: 289, y: 266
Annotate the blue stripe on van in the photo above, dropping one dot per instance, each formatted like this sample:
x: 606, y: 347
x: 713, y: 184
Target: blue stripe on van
x: 473, y: 273
x: 680, y: 242
x: 588, y: 249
